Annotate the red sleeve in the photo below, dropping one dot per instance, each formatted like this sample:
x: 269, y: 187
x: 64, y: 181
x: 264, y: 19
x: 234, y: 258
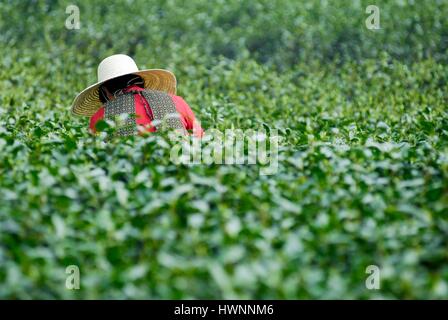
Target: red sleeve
x: 95, y: 118
x: 187, y: 116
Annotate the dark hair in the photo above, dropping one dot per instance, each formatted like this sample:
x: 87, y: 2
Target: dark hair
x: 119, y: 83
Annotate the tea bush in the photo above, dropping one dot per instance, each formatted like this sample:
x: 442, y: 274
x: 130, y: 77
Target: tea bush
x: 362, y: 168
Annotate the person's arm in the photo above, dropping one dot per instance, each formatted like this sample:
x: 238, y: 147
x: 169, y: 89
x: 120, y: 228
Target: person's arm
x: 187, y: 116
x: 95, y: 118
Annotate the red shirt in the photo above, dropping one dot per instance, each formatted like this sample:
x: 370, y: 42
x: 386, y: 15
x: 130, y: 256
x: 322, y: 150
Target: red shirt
x: 186, y: 114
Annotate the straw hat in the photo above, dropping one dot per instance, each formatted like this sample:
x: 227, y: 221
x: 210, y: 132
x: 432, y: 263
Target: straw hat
x: 87, y: 102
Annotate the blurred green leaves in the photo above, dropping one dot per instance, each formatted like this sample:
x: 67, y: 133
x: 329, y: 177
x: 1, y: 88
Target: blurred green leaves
x: 363, y: 163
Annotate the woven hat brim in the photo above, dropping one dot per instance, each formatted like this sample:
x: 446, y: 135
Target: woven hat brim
x: 87, y: 102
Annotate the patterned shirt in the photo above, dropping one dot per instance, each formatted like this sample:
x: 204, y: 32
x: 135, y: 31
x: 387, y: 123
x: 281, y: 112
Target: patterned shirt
x: 143, y: 119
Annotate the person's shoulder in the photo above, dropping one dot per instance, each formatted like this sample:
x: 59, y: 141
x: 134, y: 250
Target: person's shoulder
x: 172, y: 95
x: 99, y: 113
x: 178, y: 99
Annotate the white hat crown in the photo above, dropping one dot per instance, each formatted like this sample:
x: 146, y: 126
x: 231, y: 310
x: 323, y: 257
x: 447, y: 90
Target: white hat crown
x: 116, y: 66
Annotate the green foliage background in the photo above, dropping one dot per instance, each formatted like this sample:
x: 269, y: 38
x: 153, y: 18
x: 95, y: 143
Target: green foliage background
x: 363, y: 165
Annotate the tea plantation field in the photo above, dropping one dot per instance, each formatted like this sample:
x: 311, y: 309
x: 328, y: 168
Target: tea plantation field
x: 362, y: 166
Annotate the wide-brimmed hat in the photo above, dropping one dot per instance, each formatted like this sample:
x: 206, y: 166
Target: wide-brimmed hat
x: 87, y: 102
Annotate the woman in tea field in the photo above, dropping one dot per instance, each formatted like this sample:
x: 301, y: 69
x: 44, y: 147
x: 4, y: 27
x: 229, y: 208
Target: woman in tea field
x: 147, y: 98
